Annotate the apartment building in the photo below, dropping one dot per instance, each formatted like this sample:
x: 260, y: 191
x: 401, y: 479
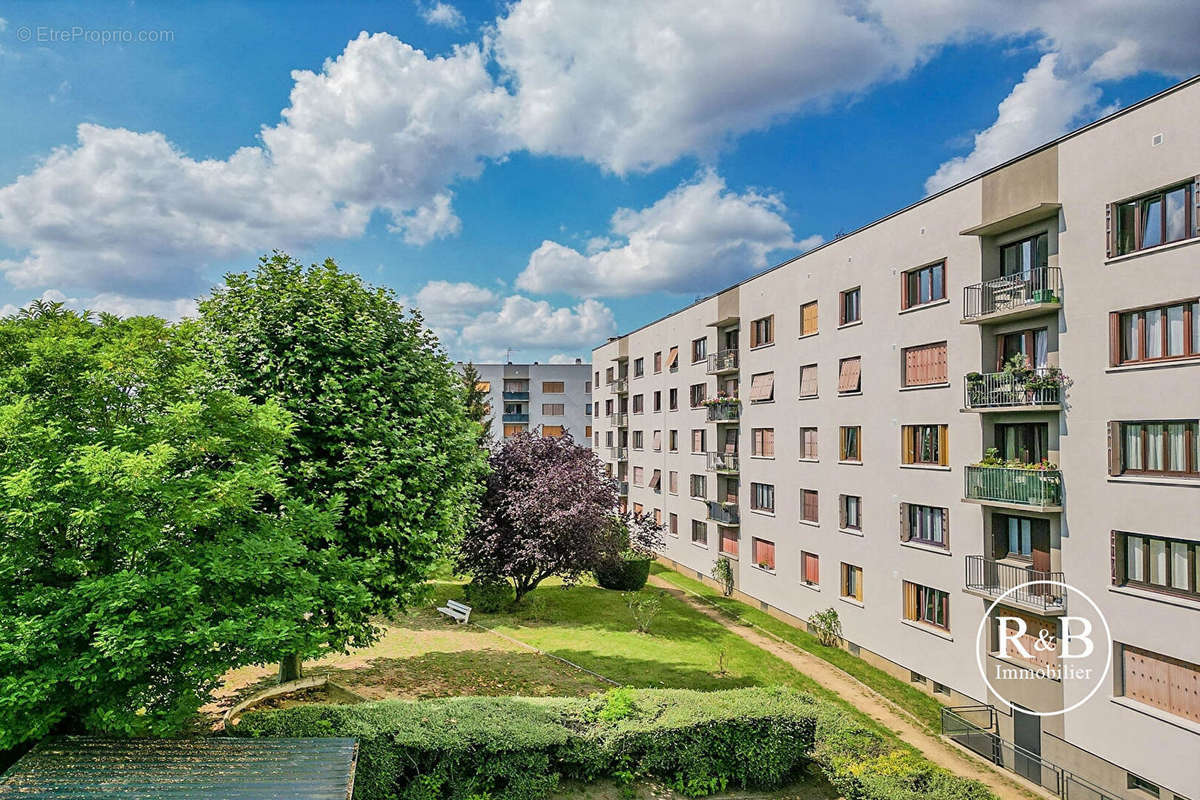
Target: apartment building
x: 552, y: 398
x: 882, y: 426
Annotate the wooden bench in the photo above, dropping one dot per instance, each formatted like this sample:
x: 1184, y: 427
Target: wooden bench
x: 456, y: 610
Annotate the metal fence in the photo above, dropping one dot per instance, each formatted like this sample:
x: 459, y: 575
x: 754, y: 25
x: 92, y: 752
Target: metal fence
x: 724, y: 412
x: 1013, y: 292
x: 1037, y: 488
x: 722, y: 462
x: 726, y: 515
x: 994, y: 578
x: 719, y: 362
x: 1004, y: 389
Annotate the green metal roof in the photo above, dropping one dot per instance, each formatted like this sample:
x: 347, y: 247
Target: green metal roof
x: 84, y: 768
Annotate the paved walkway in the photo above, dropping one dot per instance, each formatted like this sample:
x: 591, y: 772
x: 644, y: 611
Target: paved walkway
x: 865, y: 699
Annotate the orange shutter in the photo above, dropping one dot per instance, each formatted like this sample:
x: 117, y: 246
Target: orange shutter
x: 910, y: 600
x: 672, y: 358
x: 943, y: 445
x: 769, y: 442
x: 656, y: 479
x: 809, y: 319
x: 764, y: 553
x: 762, y: 387
x: 811, y: 568
x: 908, y: 444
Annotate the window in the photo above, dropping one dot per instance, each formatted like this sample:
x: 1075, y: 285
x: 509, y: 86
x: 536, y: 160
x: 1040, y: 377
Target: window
x: 808, y: 380
x: 553, y: 409
x: 1160, y: 681
x: 764, y: 554
x: 808, y: 505
x: 850, y: 447
x: 850, y: 310
x: 658, y: 362
x: 850, y: 375
x: 553, y: 387
x: 608, y: 375
x: 608, y: 438
x: 513, y: 430
x: 483, y: 386
x: 1156, y: 563
x: 762, y: 497
x: 1155, y: 334
x: 1157, y: 218
x: 673, y: 359
x: 1023, y: 441
x: 699, y: 486
x: 923, y: 604
x: 608, y: 407
x: 673, y: 482
x: 657, y: 402
x: 924, y: 524
x: 923, y: 365
x: 699, y: 349
x: 762, y: 442
x: 698, y: 440
x: 1135, y: 782
x: 1024, y: 256
x: 639, y: 403
x: 850, y: 512
x: 808, y: 443
x: 587, y: 431
x: 658, y: 516
x: 1017, y: 536
x: 1030, y: 344
x: 639, y: 441
x: 810, y: 569
x: 852, y: 582
x: 596, y: 374
x: 639, y: 476
x: 638, y: 508
x: 656, y: 480
x: 923, y: 285
x: 762, y: 331
x: 587, y: 410
x: 762, y: 387
x: 925, y: 444
x: 657, y: 441
x: 697, y: 393
x: 553, y: 431
x: 673, y: 399
x: 808, y: 319
x: 699, y: 532
x: 727, y: 541
x: 673, y: 524
x: 639, y: 367
x: 1168, y: 447
x: 673, y: 441
x: 587, y: 387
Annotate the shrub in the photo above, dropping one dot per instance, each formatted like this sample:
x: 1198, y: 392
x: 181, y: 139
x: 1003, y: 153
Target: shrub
x: 826, y: 626
x: 488, y: 595
x: 624, y: 574
x: 644, y: 607
x: 722, y: 573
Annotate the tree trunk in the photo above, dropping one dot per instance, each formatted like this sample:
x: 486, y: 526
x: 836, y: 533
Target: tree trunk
x: 291, y: 668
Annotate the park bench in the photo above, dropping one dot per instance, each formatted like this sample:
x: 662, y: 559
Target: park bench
x: 456, y: 610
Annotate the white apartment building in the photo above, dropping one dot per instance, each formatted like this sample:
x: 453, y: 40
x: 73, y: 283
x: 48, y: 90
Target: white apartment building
x: 552, y: 398
x: 873, y: 374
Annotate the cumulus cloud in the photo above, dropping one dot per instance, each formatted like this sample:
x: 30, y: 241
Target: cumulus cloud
x: 443, y: 14
x: 121, y: 305
x: 698, y: 237
x: 522, y: 322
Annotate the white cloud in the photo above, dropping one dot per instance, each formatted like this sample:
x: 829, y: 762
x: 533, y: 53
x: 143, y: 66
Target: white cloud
x: 3, y: 24
x: 121, y: 305
x: 443, y: 14
x: 434, y: 220
x: 524, y: 323
x: 453, y: 304
x: 698, y: 237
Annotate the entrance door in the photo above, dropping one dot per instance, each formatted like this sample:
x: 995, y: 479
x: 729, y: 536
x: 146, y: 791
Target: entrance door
x: 1027, y: 736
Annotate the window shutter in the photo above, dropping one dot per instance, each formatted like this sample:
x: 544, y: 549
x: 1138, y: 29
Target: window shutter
x: 905, y: 530
x: 1114, y: 338
x: 1109, y: 237
x: 769, y: 442
x: 903, y: 290
x: 946, y: 528
x: 944, y: 445
x: 858, y: 588
x: 842, y: 511
x: 907, y: 444
x: 910, y: 600
x: 1114, y: 448
x: 946, y: 609
x: 1112, y: 556
x: 1195, y: 226
x: 672, y: 357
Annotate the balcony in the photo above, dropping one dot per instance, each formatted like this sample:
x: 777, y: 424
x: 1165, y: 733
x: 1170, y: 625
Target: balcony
x: 1014, y: 487
x: 619, y: 420
x: 618, y: 453
x: 1007, y: 391
x: 724, y: 411
x: 724, y: 361
x: 722, y: 462
x: 516, y: 395
x: 516, y: 418
x: 1013, y: 296
x: 990, y: 579
x: 619, y: 386
x: 623, y: 488
x: 722, y: 513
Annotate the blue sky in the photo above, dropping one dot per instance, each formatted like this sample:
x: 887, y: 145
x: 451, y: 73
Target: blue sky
x: 536, y: 175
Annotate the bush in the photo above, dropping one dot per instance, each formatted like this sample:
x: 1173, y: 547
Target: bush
x: 488, y: 595
x: 624, y: 575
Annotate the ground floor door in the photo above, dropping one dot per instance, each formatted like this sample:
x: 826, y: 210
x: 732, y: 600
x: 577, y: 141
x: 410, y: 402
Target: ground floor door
x: 1027, y: 736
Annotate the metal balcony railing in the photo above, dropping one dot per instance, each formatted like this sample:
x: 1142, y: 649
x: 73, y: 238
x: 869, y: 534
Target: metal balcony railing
x: 993, y: 578
x: 619, y: 386
x: 620, y: 420
x: 1005, y: 390
x: 724, y: 514
x: 724, y: 412
x: 1013, y: 292
x: 722, y: 462
x: 516, y: 418
x: 1036, y: 488
x: 723, y: 361
x: 516, y: 395
x: 622, y: 488
x: 619, y: 453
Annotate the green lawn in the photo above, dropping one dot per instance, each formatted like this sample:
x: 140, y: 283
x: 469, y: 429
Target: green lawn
x: 911, y: 699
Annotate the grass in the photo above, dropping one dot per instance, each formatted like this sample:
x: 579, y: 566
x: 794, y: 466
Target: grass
x: 925, y: 708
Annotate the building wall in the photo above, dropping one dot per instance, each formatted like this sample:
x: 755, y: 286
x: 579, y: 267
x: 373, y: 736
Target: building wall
x: 576, y: 398
x: 965, y: 226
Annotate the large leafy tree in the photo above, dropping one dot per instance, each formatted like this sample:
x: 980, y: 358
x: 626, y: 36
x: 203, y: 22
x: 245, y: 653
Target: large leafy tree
x: 476, y: 402
x: 549, y: 509
x: 379, y: 424
x: 147, y: 541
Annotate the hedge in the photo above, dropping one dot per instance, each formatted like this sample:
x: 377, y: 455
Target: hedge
x: 511, y: 748
x: 625, y: 575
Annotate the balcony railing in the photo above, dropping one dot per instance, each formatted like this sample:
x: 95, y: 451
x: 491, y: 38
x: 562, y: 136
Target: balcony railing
x: 622, y: 488
x: 516, y: 395
x: 723, y: 361
x: 1011, y: 293
x: 1006, y: 390
x: 619, y: 453
x: 724, y: 514
x: 722, y: 462
x: 994, y: 578
x: 619, y: 386
x: 1036, y: 488
x: 620, y: 420
x: 724, y: 412
x: 516, y: 418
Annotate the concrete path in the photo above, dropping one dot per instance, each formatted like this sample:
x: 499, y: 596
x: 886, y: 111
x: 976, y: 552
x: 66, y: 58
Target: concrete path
x: 866, y: 699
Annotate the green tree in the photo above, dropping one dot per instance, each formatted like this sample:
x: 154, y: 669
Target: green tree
x: 379, y: 424
x: 476, y: 402
x: 147, y: 541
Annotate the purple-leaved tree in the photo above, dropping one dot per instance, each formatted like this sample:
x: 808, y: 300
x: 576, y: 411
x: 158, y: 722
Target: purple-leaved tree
x: 548, y: 509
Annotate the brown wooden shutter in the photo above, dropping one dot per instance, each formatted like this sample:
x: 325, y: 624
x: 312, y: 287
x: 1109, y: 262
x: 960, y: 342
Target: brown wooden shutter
x: 907, y: 446
x: 946, y: 609
x: 944, y: 445
x: 946, y: 527
x: 905, y: 530
x: 1114, y: 338
x: 903, y: 290
x: 910, y: 600
x: 1114, y: 448
x: 1109, y: 233
x: 999, y: 352
x: 842, y: 511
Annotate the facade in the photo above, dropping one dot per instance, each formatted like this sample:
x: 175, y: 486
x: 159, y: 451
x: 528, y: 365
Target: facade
x: 822, y: 425
x: 555, y: 398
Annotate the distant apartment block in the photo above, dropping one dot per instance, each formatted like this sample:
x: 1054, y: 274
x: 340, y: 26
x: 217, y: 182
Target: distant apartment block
x: 822, y: 426
x: 551, y: 398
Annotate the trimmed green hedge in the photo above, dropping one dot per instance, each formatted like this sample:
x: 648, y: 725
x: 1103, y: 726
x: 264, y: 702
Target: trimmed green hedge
x: 510, y: 748
x: 624, y: 575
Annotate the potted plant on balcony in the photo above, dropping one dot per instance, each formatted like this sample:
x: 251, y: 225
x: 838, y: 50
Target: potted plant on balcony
x: 976, y: 393
x: 1051, y: 380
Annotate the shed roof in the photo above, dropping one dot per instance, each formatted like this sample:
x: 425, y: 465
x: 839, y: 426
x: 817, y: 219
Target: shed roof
x: 82, y: 768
